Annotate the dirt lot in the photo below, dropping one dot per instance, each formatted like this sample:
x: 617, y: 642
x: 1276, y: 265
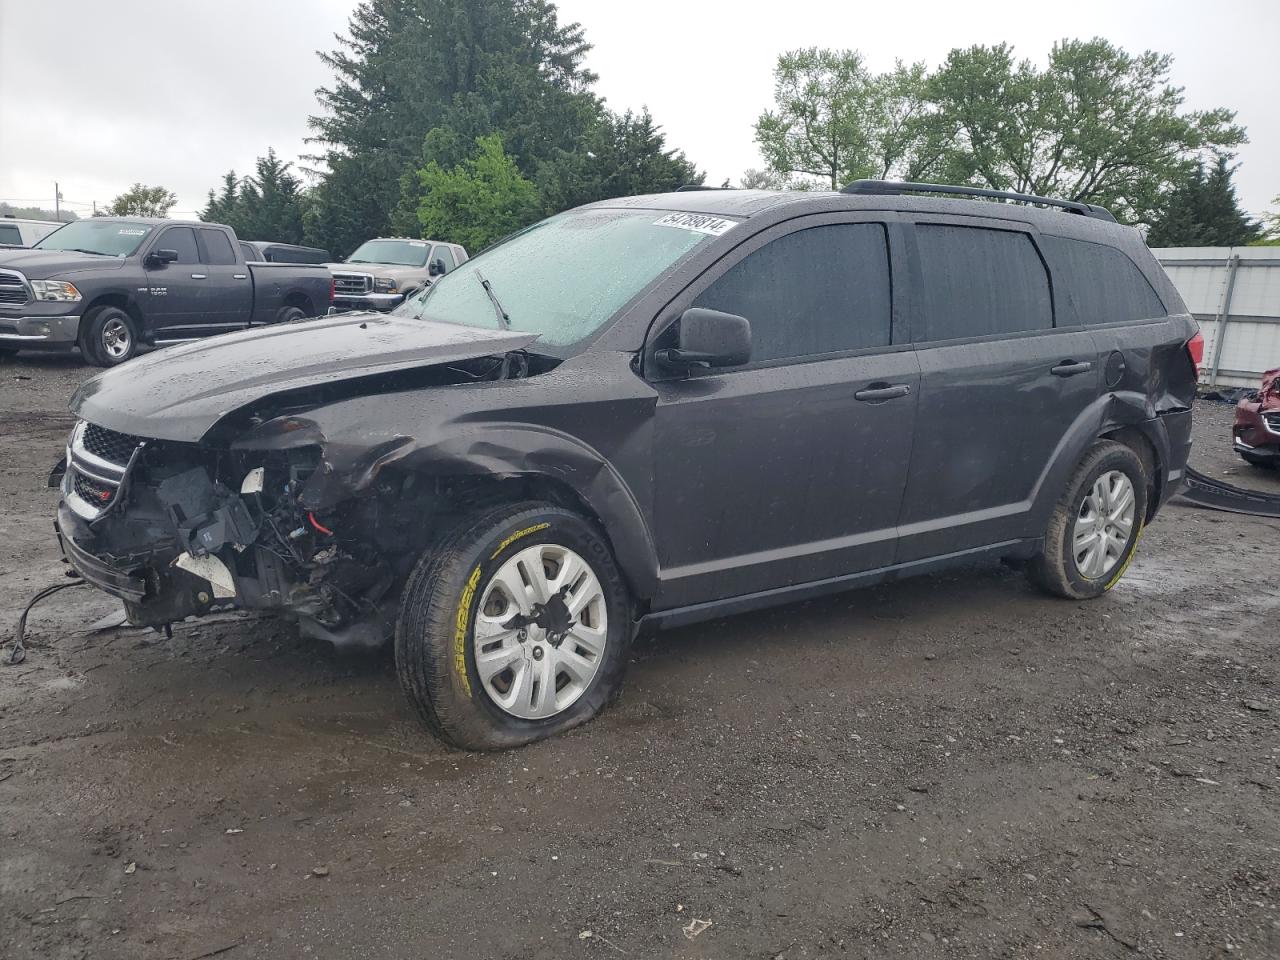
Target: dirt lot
x: 954, y: 766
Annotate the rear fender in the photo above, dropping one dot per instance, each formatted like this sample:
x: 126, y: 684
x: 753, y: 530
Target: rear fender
x: 1121, y: 412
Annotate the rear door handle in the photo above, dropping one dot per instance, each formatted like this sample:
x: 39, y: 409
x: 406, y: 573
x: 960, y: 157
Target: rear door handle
x: 880, y: 393
x: 199, y: 276
x: 1069, y: 368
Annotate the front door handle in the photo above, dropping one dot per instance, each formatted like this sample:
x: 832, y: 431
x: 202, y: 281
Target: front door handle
x: 877, y: 393
x: 1069, y: 368
x: 199, y: 276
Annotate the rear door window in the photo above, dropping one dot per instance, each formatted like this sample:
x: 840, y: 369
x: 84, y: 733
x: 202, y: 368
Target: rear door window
x: 980, y: 282
x: 816, y: 291
x: 181, y: 239
x: 1098, y: 284
x: 217, y: 248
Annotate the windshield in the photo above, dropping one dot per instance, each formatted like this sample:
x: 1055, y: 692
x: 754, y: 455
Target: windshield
x: 564, y: 277
x: 111, y: 238
x: 406, y: 253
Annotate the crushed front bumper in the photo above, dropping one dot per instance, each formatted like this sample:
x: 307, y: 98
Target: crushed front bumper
x: 126, y: 583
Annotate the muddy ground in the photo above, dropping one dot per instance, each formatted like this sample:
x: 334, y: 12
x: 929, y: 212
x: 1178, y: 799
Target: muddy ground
x: 953, y: 766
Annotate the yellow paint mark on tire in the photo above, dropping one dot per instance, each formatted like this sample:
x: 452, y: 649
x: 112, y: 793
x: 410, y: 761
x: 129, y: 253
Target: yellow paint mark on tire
x: 1127, y: 560
x: 461, y: 623
x: 516, y: 536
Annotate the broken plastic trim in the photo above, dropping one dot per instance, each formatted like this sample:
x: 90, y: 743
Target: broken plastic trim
x: 1204, y: 491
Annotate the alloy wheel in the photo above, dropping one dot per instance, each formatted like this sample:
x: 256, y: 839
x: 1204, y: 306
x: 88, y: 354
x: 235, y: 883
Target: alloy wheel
x: 1103, y: 525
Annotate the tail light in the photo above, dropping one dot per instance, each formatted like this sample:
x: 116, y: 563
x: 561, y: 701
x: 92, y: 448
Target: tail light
x: 1195, y: 350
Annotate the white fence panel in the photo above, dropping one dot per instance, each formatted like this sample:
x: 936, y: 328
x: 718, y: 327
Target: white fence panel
x: 1234, y: 292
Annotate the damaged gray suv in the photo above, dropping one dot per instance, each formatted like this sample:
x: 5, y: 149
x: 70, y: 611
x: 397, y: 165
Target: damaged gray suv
x: 649, y: 412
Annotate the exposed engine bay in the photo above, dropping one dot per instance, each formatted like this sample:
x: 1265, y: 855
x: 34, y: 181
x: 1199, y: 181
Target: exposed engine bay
x: 255, y: 516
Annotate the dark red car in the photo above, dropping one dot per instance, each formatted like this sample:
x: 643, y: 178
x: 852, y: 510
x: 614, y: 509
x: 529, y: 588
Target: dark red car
x: 1256, y: 434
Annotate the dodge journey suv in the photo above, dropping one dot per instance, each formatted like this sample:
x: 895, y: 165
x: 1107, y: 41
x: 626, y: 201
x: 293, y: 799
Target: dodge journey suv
x: 647, y: 412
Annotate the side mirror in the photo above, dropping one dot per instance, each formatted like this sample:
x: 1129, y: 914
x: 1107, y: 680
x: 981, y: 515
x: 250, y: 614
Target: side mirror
x: 709, y: 338
x: 435, y: 268
x: 163, y: 256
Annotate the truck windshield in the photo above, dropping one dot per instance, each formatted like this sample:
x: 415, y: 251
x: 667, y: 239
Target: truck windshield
x: 405, y: 253
x: 110, y: 238
x: 566, y: 276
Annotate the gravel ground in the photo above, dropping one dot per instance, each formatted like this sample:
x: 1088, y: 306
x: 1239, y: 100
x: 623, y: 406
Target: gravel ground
x: 951, y: 766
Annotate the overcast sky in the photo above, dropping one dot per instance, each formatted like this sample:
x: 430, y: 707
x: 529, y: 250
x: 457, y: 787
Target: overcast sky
x: 96, y: 94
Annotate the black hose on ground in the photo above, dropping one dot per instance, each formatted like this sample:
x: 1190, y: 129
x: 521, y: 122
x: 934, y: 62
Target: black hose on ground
x: 18, y: 652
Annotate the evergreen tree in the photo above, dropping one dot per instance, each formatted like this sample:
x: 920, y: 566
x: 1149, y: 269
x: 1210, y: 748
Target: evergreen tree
x: 223, y: 206
x: 411, y: 66
x: 269, y: 206
x: 1202, y: 211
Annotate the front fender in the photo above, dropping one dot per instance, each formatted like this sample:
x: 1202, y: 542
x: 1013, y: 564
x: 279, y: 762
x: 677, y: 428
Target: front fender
x: 512, y: 450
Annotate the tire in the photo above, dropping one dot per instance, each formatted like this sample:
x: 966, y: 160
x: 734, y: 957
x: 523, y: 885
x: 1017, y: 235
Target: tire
x: 456, y: 590
x: 108, y: 336
x: 288, y: 314
x: 1102, y: 561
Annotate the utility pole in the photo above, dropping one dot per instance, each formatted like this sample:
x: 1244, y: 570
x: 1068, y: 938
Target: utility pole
x: 57, y: 197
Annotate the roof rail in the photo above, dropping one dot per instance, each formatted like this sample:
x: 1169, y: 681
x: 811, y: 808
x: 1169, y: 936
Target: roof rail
x: 891, y: 188
x: 690, y: 187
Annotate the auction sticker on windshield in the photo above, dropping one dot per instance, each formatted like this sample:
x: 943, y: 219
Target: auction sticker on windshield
x: 699, y: 222
x: 131, y: 232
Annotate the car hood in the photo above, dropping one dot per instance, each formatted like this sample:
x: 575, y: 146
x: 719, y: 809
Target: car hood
x: 44, y: 264
x: 180, y: 393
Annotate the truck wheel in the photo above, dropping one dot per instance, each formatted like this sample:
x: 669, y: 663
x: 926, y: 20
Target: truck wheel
x: 513, y: 627
x: 289, y: 314
x: 1094, y: 529
x: 107, y: 336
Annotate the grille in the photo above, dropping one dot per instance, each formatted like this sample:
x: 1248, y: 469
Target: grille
x: 1273, y: 421
x: 91, y: 491
x: 108, y: 444
x: 12, y: 289
x: 352, y: 283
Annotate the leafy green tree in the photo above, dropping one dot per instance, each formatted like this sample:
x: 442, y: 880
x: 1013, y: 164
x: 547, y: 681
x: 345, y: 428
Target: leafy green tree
x: 1271, y: 225
x: 140, y: 201
x: 411, y: 66
x: 479, y: 201
x: 754, y: 179
x: 1202, y: 211
x: 1097, y: 124
x: 834, y: 120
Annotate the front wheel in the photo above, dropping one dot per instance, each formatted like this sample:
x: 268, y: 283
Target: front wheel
x: 108, y: 336
x: 513, y: 627
x: 1094, y: 529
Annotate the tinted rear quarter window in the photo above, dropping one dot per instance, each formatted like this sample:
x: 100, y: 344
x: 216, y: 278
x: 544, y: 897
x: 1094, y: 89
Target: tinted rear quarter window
x: 9, y: 233
x: 820, y: 290
x: 1098, y: 284
x: 217, y: 248
x: 980, y: 282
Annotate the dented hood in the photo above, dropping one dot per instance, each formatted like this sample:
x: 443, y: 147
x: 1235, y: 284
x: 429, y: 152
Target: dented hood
x: 180, y: 392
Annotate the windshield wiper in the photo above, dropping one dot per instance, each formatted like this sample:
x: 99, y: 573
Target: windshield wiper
x: 504, y: 319
x: 95, y: 253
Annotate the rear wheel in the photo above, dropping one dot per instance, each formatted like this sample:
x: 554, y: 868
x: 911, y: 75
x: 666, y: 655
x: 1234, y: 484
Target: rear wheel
x: 108, y: 336
x: 289, y: 314
x: 1093, y: 532
x: 513, y: 627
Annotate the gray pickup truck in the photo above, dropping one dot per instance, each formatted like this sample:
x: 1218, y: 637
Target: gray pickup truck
x: 109, y: 284
x: 384, y: 272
